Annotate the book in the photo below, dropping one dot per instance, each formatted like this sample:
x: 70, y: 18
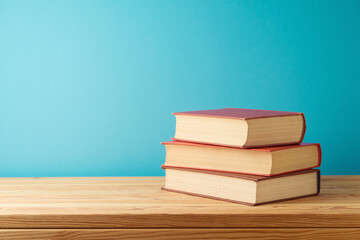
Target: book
x: 236, y: 127
x: 242, y: 188
x: 266, y: 161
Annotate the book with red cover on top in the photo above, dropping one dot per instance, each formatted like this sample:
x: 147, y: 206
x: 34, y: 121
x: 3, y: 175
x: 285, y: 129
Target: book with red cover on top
x: 237, y: 127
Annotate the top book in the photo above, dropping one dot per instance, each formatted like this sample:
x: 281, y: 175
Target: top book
x: 237, y: 127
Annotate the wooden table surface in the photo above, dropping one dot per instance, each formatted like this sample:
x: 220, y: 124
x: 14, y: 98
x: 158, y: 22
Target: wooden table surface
x: 136, y: 208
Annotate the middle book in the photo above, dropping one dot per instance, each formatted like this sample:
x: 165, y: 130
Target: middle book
x: 267, y: 161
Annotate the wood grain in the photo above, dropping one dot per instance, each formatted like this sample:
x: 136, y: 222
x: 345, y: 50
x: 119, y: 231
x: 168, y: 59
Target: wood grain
x: 206, y: 234
x: 127, y: 202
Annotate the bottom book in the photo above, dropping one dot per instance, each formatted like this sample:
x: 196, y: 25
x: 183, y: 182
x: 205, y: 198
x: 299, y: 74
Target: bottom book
x: 242, y: 188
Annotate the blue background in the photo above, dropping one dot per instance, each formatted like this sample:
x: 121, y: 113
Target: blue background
x: 87, y: 88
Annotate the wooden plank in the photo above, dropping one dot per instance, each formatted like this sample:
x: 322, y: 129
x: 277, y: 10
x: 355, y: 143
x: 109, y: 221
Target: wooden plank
x: 138, y: 202
x: 206, y: 234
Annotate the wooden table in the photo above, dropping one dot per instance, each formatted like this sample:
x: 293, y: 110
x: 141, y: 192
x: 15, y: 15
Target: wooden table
x: 136, y: 208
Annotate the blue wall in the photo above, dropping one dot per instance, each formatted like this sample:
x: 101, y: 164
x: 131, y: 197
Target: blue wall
x: 87, y: 88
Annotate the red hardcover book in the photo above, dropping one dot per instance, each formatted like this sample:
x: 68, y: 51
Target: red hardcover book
x: 267, y: 161
x: 236, y: 127
x: 240, y: 188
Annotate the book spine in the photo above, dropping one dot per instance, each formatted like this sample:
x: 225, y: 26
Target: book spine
x: 318, y: 182
x: 319, y: 156
x: 304, y: 128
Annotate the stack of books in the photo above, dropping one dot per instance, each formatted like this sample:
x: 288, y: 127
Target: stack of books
x: 242, y: 155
